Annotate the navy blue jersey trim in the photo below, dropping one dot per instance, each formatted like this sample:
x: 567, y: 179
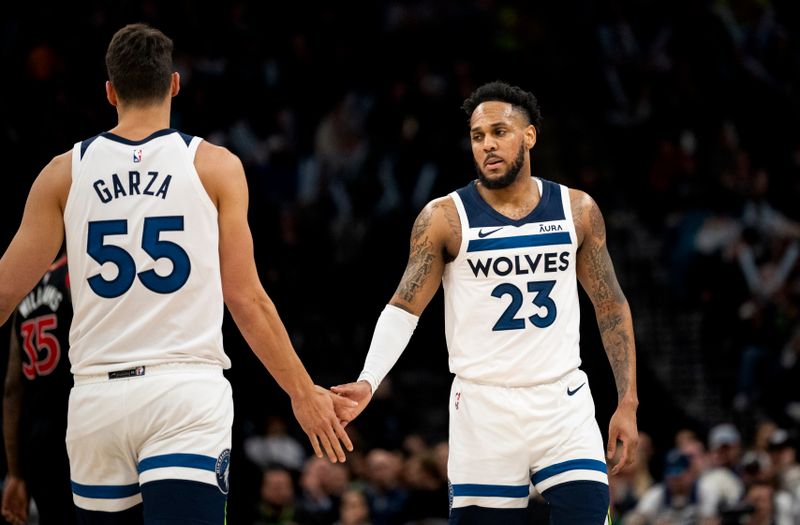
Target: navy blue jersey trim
x: 105, y: 491
x: 122, y: 140
x: 519, y: 241
x: 481, y: 215
x: 178, y: 460
x: 186, y: 138
x: 573, y: 464
x: 490, y: 491
x: 85, y: 144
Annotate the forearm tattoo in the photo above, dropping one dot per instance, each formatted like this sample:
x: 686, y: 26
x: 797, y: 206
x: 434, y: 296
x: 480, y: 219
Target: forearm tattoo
x: 613, y: 313
x: 619, y: 347
x: 420, y: 259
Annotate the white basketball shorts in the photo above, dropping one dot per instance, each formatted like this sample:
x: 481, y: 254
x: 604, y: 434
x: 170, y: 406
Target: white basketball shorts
x: 503, y: 439
x: 146, y: 424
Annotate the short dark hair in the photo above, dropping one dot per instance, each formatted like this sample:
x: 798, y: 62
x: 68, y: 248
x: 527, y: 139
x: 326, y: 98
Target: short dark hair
x: 498, y: 90
x: 139, y: 64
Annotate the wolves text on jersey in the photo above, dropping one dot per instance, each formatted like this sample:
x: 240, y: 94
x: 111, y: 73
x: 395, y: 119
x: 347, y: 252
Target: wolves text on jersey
x: 548, y: 262
x: 136, y: 185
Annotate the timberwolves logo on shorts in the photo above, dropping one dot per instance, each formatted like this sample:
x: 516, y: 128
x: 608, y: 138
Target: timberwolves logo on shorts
x: 222, y: 469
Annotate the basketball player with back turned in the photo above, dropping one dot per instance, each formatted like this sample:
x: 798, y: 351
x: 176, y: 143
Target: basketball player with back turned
x: 35, y: 398
x: 509, y: 250
x: 158, y: 243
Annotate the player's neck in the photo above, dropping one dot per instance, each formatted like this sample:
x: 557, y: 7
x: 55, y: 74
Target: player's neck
x: 514, y: 201
x: 139, y: 122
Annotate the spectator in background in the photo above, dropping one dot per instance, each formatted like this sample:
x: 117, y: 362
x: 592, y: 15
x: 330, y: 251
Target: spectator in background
x: 671, y: 502
x: 277, y: 503
x: 321, y: 488
x: 783, y: 456
x: 275, y: 446
x: 384, y: 491
x: 763, y: 506
x: 354, y: 509
x: 427, y: 490
x: 720, y: 485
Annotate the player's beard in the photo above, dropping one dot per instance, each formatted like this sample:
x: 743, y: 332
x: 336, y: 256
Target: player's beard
x: 508, y: 177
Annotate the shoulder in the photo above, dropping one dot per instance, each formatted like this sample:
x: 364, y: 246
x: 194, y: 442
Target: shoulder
x: 580, y: 202
x: 438, y: 222
x: 440, y: 212
x: 441, y: 206
x: 586, y: 215
x: 56, y: 177
x: 59, y: 166
x: 220, y: 171
x: 213, y: 158
x: 61, y: 162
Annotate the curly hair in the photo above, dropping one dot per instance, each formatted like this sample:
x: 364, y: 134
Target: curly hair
x: 523, y: 101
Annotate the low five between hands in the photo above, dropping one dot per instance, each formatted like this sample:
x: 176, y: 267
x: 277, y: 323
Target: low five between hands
x: 318, y: 415
x: 359, y: 393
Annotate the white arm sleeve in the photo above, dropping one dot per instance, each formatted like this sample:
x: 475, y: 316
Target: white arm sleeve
x: 392, y: 333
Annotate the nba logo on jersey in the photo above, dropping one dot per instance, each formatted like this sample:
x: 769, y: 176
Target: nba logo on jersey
x: 137, y: 155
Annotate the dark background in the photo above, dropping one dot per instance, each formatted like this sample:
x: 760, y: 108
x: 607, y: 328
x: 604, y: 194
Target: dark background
x: 640, y: 101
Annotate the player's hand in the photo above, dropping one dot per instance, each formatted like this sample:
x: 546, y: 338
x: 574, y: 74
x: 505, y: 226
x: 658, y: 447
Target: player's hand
x: 317, y: 417
x: 360, y: 392
x: 341, y: 404
x: 622, y: 429
x: 15, y: 501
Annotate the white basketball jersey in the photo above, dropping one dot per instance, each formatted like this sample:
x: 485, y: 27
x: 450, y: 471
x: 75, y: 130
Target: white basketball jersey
x: 512, y: 313
x: 142, y: 241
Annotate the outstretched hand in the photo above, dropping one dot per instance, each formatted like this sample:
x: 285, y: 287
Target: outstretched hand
x: 622, y: 428
x: 317, y: 416
x: 360, y: 392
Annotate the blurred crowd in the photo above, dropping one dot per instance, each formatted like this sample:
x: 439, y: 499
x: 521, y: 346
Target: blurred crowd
x: 678, y: 117
x: 723, y: 477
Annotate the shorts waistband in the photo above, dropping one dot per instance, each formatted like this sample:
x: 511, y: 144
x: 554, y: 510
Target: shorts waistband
x: 145, y: 370
x: 554, y: 381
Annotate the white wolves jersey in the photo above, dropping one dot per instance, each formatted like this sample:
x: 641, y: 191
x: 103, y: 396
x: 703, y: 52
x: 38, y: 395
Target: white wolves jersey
x: 512, y: 313
x: 142, y: 241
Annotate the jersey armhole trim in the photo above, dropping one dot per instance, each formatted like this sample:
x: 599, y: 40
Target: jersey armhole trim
x: 464, y: 220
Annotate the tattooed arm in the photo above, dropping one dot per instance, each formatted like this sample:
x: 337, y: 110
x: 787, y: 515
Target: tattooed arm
x: 435, y: 239
x: 596, y: 274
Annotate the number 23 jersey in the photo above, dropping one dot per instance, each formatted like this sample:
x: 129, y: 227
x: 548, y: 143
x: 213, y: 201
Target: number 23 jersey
x: 512, y: 312
x: 143, y: 245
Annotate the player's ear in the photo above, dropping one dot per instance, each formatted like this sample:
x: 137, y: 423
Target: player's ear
x: 175, y: 84
x: 111, y: 94
x: 530, y: 136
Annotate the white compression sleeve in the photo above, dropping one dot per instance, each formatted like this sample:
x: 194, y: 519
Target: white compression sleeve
x: 392, y: 333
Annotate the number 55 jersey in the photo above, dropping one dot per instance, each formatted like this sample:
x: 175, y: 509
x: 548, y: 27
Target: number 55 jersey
x: 143, y: 245
x: 512, y: 313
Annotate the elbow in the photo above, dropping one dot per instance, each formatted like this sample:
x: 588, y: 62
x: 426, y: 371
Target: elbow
x: 245, y: 303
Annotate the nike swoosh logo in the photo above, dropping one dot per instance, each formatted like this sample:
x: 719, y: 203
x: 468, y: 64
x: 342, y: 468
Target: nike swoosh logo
x: 572, y: 392
x: 483, y: 234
